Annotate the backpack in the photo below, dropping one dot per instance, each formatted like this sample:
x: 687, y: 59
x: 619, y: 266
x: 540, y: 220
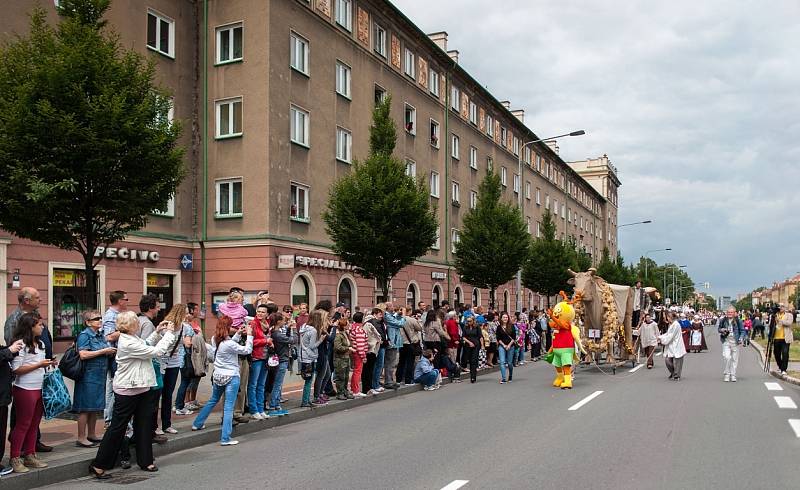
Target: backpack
x: 71, y: 365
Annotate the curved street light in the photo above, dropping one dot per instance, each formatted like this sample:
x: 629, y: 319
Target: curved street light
x: 636, y: 223
x: 646, y: 263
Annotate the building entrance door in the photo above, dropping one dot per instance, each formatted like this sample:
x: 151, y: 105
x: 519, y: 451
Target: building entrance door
x: 162, y: 285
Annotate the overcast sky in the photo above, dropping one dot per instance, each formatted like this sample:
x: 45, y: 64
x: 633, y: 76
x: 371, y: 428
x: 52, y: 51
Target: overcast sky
x: 696, y: 103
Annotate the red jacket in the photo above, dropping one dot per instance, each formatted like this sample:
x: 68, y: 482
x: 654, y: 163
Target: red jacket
x: 259, y: 338
x: 452, y: 330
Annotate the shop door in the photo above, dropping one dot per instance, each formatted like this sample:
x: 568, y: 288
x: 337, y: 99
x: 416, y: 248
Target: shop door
x: 162, y: 286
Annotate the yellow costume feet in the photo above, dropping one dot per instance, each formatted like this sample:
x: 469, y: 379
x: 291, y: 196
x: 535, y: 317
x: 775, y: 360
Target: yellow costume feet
x: 559, y: 378
x: 567, y: 382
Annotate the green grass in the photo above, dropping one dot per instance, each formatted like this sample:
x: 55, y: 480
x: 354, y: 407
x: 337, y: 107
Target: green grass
x: 794, y: 349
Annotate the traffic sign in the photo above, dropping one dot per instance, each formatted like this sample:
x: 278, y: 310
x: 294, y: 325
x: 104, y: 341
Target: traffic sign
x: 186, y: 262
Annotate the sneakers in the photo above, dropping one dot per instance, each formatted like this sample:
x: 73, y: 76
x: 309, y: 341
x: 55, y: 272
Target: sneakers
x: 733, y: 379
x: 192, y: 406
x: 4, y: 470
x: 195, y: 429
x: 170, y: 430
x: 264, y: 416
x: 360, y: 395
x: 159, y: 432
x: 726, y: 378
x: 349, y: 396
x: 17, y: 466
x: 232, y: 442
x: 306, y: 405
x: 257, y: 416
x: 502, y: 382
x: 380, y: 389
x: 31, y: 461
x: 183, y: 411
x: 277, y: 412
x: 429, y: 388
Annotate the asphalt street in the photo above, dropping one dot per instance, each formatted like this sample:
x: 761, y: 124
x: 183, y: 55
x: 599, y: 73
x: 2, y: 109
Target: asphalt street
x: 641, y: 431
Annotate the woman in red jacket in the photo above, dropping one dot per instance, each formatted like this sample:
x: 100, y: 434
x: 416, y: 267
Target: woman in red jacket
x: 258, y: 368
x: 451, y: 325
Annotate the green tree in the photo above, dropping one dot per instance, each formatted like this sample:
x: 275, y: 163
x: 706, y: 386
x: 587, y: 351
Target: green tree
x: 86, y: 150
x: 580, y: 259
x: 607, y: 268
x: 493, y: 242
x: 380, y: 219
x: 545, y: 271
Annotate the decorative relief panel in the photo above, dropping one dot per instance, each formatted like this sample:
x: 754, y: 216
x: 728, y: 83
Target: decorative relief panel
x: 497, y: 132
x: 482, y: 120
x: 422, y: 72
x: 362, y: 21
x: 442, y: 87
x: 324, y: 7
x: 464, y: 106
x: 395, y: 52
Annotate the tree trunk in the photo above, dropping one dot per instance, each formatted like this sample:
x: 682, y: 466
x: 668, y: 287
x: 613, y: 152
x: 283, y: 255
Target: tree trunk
x: 91, y: 276
x: 385, y: 288
x: 491, y: 297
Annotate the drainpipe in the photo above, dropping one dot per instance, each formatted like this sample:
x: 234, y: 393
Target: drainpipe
x: 204, y: 126
x: 447, y: 162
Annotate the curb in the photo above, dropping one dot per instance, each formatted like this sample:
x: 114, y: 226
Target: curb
x: 73, y: 467
x: 776, y: 374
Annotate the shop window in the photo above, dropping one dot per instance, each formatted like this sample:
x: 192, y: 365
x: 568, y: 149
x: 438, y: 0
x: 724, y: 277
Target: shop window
x: 301, y: 291
x: 345, y: 293
x: 70, y: 300
x: 458, y: 297
x: 411, y: 296
x: 379, y: 297
x: 476, y: 297
x: 162, y: 285
x: 436, y: 296
x: 506, y: 299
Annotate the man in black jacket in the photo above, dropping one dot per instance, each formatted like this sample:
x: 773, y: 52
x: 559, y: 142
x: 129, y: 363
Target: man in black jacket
x: 6, y: 355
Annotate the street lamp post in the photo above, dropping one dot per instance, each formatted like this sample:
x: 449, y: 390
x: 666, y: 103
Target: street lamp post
x: 646, y: 263
x: 579, y: 132
x: 646, y: 222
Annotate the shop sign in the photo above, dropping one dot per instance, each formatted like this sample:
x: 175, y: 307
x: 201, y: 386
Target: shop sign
x: 63, y: 278
x: 438, y: 275
x: 125, y: 253
x: 290, y: 261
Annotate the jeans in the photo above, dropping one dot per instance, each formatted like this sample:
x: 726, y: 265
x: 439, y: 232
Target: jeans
x: 376, y: 372
x: 255, y: 385
x: 520, y: 354
x: 109, y: 398
x: 181, y: 396
x: 730, y: 356
x: 230, y: 390
x: 429, y: 378
x: 307, y: 385
x: 323, y: 376
x: 781, y: 350
x: 275, y: 397
x: 170, y: 379
x: 506, y: 361
x: 391, y: 357
x: 240, y: 406
x: 405, y: 370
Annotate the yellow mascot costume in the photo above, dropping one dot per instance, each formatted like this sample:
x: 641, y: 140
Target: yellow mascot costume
x: 565, y: 340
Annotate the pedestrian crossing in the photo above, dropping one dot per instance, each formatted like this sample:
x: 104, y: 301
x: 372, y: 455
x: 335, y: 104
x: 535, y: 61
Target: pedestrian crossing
x: 784, y: 403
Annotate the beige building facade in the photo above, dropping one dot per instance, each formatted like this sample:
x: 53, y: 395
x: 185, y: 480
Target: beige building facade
x: 276, y: 98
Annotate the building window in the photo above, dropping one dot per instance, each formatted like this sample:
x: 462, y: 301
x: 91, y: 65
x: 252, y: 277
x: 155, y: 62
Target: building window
x: 299, y: 120
x: 410, y: 120
x: 160, y: 33
x: 538, y: 229
x: 437, y: 243
x: 555, y: 207
x: 344, y: 14
x: 298, y: 59
x: 489, y: 126
x: 528, y: 224
x: 515, y: 146
x: 456, y: 194
x: 409, y: 67
x: 344, y: 144
x: 503, y: 133
x: 229, y: 198
x: 538, y: 163
x: 342, y: 79
x: 434, y: 133
x: 345, y: 293
x: 379, y: 38
x: 455, y: 98
x: 547, y: 201
x: 473, y: 199
x: 299, y: 205
x: 380, y: 94
x: 433, y: 82
x: 503, y: 176
x: 70, y: 299
x: 473, y: 158
x: 411, y: 168
x: 538, y: 197
x: 528, y: 190
x: 229, y: 117
x: 526, y: 155
x: 434, y: 183
x: 229, y: 43
x: 169, y: 212
x: 563, y: 210
x: 516, y: 184
x: 476, y: 297
x: 473, y: 113
x: 455, y: 237
x: 455, y: 152
x: 301, y: 291
x: 489, y: 163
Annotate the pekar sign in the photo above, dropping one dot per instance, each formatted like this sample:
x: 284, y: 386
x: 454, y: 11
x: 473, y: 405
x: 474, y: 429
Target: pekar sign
x: 125, y: 253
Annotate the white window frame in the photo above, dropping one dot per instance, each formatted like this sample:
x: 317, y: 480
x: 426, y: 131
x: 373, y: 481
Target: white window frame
x: 436, y: 132
x: 434, y: 184
x: 455, y: 98
x: 343, y: 78
x: 473, y: 158
x: 547, y: 201
x: 526, y: 155
x: 294, y: 112
x: 344, y: 14
x: 473, y: 199
x: 538, y: 197
x: 455, y: 237
x: 410, y: 109
x: 379, y: 39
x: 228, y: 181
x: 515, y: 145
x: 294, y: 187
x: 297, y: 41
x: 438, y: 243
x: 504, y: 176
x: 455, y: 143
x: 410, y: 68
x: 433, y: 82
x: 473, y: 113
x: 411, y: 168
x: 230, y: 103
x: 528, y: 224
x: 555, y: 207
x: 170, y: 212
x: 456, y: 193
x: 528, y: 190
x: 231, y: 29
x: 344, y: 145
x: 489, y: 126
x: 170, y: 52
x: 538, y: 229
x: 516, y: 184
x: 489, y: 163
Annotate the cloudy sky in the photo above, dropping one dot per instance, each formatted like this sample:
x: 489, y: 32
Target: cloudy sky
x: 696, y: 103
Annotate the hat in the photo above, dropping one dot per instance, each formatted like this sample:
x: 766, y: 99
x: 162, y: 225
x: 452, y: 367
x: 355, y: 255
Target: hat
x: 340, y: 304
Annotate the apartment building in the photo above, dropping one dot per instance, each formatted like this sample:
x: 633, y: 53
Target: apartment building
x: 276, y: 98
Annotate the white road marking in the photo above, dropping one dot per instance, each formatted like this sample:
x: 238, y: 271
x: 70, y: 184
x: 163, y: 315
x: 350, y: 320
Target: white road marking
x: 785, y: 402
x: 658, y: 354
x: 640, y: 366
x: 455, y: 484
x: 795, y: 423
x: 292, y: 391
x: 773, y: 386
x: 585, y: 400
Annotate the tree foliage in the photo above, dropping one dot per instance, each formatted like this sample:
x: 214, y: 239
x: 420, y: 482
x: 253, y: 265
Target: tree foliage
x: 380, y: 219
x: 545, y: 271
x: 494, y: 241
x: 86, y: 150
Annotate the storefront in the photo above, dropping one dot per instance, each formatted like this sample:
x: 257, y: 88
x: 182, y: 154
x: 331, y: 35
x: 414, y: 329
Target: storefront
x: 166, y: 285
x: 69, y: 297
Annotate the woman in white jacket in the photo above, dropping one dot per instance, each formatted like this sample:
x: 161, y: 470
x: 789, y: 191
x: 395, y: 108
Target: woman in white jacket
x: 132, y: 395
x: 674, y: 350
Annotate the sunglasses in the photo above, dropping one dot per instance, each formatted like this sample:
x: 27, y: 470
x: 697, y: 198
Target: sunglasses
x: 95, y: 319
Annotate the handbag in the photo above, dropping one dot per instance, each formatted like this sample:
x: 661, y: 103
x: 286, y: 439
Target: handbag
x: 273, y: 360
x: 71, y: 365
x: 307, y: 370
x: 55, y: 396
x: 221, y: 379
x: 187, y: 371
x: 159, y: 376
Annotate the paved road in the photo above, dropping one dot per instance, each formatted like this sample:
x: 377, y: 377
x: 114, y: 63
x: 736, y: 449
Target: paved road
x: 642, y: 431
